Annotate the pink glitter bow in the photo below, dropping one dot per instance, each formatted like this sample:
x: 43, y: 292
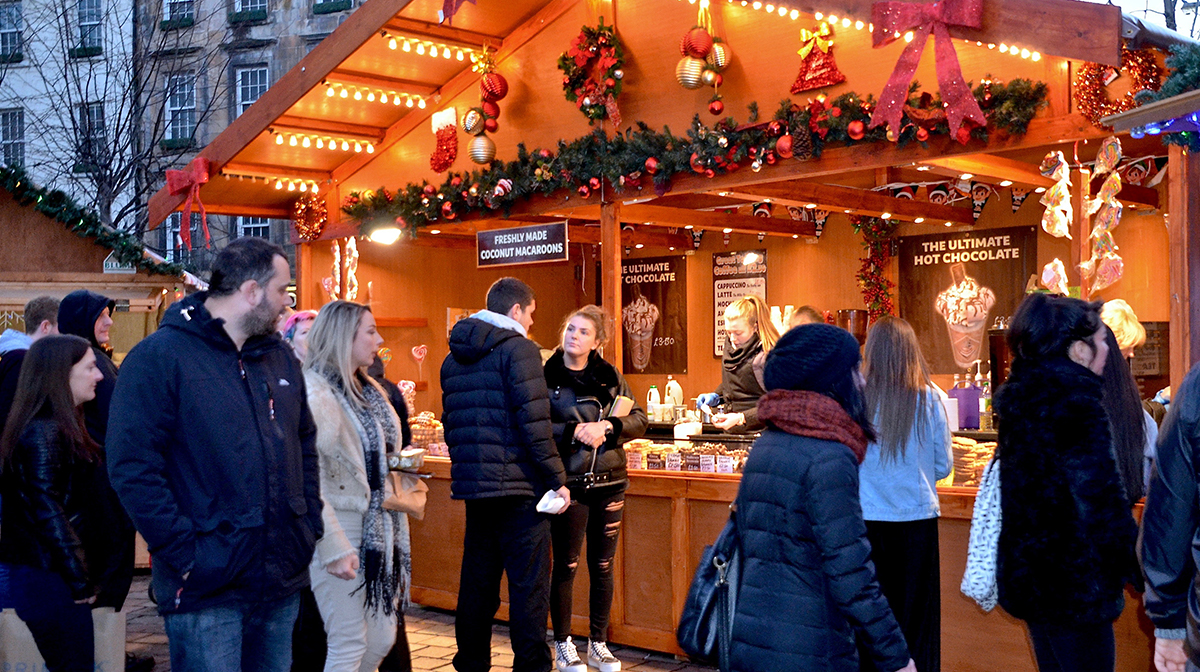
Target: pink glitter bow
x: 896, y: 18
x: 189, y: 180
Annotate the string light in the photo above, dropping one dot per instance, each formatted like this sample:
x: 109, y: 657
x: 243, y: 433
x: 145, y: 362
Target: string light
x: 350, y: 90
x: 307, y: 140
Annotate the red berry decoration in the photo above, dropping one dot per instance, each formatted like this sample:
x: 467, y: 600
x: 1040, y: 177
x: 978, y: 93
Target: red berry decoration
x: 652, y: 165
x: 732, y: 167
x: 856, y: 130
x: 770, y: 158
x: 716, y: 107
x: 922, y: 134
x: 491, y: 109
x: 490, y: 125
x: 493, y: 86
x: 783, y: 147
x: 594, y: 183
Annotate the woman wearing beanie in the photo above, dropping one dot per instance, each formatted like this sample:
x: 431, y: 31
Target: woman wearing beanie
x: 911, y: 451
x: 808, y: 586
x: 750, y: 335
x: 1067, y: 543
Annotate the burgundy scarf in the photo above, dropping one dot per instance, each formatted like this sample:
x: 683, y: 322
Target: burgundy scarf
x: 811, y: 414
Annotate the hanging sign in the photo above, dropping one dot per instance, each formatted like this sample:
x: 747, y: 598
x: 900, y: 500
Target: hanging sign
x: 654, y: 315
x: 535, y: 244
x: 735, y: 274
x: 114, y: 265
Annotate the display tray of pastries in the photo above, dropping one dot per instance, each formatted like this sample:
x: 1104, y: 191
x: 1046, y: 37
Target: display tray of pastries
x: 970, y: 459
x: 708, y: 457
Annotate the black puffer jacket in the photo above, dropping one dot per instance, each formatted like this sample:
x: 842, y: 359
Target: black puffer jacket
x: 1067, y: 542
x: 586, y: 396
x: 739, y: 388
x: 808, y: 584
x: 46, y: 498
x: 496, y: 412
x: 213, y: 452
x: 1170, y: 541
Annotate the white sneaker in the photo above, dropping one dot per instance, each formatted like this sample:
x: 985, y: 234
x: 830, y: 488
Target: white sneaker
x: 566, y: 657
x: 600, y: 658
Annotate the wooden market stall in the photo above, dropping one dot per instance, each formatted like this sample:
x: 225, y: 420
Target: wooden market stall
x: 354, y: 89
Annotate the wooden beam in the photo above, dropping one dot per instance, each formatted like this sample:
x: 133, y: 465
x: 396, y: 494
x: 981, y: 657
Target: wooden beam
x: 1184, y: 204
x: 460, y: 83
x: 278, y: 99
x: 263, y: 170
x: 649, y: 238
x: 405, y: 322
x: 412, y: 86
x: 1082, y: 229
x: 314, y: 126
x: 1156, y: 112
x: 657, y: 215
x: 988, y: 167
x: 857, y: 201
x: 696, y: 201
x: 248, y: 211
x: 435, y: 31
x: 610, y: 273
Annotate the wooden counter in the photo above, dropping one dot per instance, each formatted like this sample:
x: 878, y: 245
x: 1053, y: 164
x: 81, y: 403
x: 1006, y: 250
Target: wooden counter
x: 670, y: 517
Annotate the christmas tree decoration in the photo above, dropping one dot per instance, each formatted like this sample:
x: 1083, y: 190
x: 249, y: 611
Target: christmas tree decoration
x: 783, y: 147
x: 716, y: 107
x: 472, y: 121
x: 1056, y: 220
x: 872, y: 279
x: 817, y: 69
x: 1054, y: 277
x: 309, y: 217
x: 908, y: 192
x: 493, y: 86
x: 593, y: 72
x: 491, y: 125
x: 482, y: 150
x: 980, y: 193
x: 890, y: 20
x: 1019, y: 194
x: 1092, y: 80
x: 689, y: 72
x: 856, y: 130
x: 697, y: 42
x: 445, y: 130
x: 719, y: 56
x: 802, y: 142
x: 938, y: 194
x: 710, y: 77
x: 490, y: 109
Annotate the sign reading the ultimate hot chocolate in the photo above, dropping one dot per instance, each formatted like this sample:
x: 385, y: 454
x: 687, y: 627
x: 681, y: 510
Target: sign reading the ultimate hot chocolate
x: 536, y: 244
x: 735, y: 274
x: 953, y: 286
x: 654, y: 315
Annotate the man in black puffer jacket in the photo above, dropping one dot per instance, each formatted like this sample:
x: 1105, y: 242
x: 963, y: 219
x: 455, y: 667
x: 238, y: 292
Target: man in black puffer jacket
x: 496, y: 411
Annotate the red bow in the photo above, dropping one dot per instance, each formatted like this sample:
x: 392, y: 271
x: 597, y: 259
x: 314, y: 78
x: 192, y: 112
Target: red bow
x: 893, y: 18
x: 189, y: 180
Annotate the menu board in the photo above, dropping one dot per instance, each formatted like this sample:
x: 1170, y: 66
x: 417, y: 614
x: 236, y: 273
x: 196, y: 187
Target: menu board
x: 654, y: 315
x: 1153, y: 358
x: 735, y: 274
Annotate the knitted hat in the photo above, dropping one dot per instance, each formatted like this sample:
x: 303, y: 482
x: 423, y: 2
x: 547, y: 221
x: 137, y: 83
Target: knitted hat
x: 811, y: 357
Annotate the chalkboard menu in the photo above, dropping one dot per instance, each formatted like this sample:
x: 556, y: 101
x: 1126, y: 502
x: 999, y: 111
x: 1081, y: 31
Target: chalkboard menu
x: 1154, y: 357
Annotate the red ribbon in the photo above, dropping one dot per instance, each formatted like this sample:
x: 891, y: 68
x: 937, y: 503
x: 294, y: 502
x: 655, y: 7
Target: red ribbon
x: 892, y: 18
x: 189, y: 180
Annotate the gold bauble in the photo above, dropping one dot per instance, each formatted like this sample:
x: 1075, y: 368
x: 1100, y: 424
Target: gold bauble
x: 718, y: 59
x: 689, y: 72
x: 709, y: 77
x: 483, y: 150
x: 473, y: 122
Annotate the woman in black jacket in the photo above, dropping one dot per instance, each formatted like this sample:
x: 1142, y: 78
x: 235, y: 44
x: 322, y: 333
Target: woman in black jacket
x: 583, y: 387
x: 750, y: 336
x: 1067, y: 538
x: 808, y: 584
x: 48, y: 463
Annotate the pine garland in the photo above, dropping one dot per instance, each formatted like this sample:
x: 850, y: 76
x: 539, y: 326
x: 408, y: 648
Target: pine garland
x: 82, y: 221
x: 640, y: 156
x: 877, y: 241
x: 1184, y: 66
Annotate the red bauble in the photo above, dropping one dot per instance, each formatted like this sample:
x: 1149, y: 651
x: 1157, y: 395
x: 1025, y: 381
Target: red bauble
x: 716, y: 107
x: 856, y: 130
x: 922, y: 134
x: 430, y: 190
x: 774, y: 129
x: 584, y: 191
x: 493, y: 86
x: 835, y: 112
x: 732, y: 167
x: 709, y: 173
x: 490, y: 109
x: 783, y: 147
x: 753, y: 152
x: 594, y: 183
x: 963, y: 135
x: 652, y: 165
x: 448, y: 210
x: 610, y: 82
x: 771, y: 158
x: 696, y: 43
x: 718, y: 80
x: 490, y: 125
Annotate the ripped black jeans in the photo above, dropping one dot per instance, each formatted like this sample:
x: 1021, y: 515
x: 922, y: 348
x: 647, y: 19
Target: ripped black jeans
x: 596, y: 515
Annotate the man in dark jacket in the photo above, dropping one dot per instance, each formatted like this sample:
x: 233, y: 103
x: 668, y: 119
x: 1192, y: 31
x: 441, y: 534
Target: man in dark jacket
x: 1170, y: 534
x: 496, y: 412
x: 41, y: 320
x: 212, y: 450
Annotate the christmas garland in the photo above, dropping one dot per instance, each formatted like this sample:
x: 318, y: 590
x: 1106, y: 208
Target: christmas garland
x: 594, y: 49
x: 640, y: 157
x: 1091, y: 96
x: 1184, y: 66
x: 82, y: 221
x: 877, y: 240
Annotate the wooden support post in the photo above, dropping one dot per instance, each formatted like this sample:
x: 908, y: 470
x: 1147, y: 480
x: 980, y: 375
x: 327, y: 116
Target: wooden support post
x: 305, y: 288
x: 1081, y: 250
x: 610, y: 271
x: 1183, y: 200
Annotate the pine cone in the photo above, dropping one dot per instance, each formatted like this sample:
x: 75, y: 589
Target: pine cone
x: 802, y: 142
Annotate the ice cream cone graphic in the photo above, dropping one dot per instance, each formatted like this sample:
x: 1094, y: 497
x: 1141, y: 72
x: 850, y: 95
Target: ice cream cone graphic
x: 965, y: 306
x: 639, y: 318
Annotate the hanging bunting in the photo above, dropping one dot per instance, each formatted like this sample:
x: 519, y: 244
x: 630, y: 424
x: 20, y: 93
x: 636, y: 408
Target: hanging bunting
x: 908, y: 192
x: 980, y: 193
x: 819, y: 218
x: 1056, y: 220
x: 697, y: 235
x: 1138, y: 172
x: 761, y: 209
x: 817, y: 69
x: 939, y: 194
x: 1019, y: 194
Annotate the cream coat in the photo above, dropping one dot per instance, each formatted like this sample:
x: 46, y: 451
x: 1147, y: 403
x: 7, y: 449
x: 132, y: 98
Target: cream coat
x: 344, y: 485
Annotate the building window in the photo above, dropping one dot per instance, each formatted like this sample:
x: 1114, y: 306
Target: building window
x: 181, y: 106
x: 90, y: 15
x: 250, y: 6
x: 259, y: 227
x: 173, y: 248
x: 93, y: 145
x: 251, y: 83
x: 10, y: 30
x: 12, y: 137
x: 178, y: 10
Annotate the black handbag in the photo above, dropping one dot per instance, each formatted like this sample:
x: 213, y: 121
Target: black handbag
x: 706, y: 625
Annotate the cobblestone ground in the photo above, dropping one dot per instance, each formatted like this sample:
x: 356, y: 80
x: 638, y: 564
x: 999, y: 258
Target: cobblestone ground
x: 430, y: 634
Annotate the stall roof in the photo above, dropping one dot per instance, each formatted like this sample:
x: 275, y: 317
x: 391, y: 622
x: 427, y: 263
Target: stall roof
x: 254, y: 159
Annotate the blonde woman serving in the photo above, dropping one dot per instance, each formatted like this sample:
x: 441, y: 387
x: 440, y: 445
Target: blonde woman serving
x: 360, y: 571
x: 750, y: 336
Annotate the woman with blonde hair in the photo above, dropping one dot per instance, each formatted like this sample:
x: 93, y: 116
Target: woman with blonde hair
x: 750, y: 336
x: 356, y: 428
x: 910, y: 452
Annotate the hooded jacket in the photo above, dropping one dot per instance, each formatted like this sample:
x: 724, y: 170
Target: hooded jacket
x: 77, y: 315
x: 496, y: 412
x: 212, y: 451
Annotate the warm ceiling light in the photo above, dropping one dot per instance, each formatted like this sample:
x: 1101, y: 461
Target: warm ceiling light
x: 344, y: 93
x: 688, y: 227
x: 922, y: 168
x: 434, y: 232
x: 639, y: 246
x: 357, y: 94
x: 886, y: 215
x: 314, y: 187
x: 1003, y: 48
x: 1039, y: 190
x: 421, y: 103
x: 392, y: 43
x: 370, y: 96
x: 406, y: 47
x: 1006, y: 183
x: 357, y: 148
x: 811, y: 206
x: 770, y: 8
x: 329, y: 91
x: 794, y: 14
x: 279, y: 184
x: 859, y: 25
x: 370, y: 148
x: 292, y: 140
x: 727, y: 231
x: 420, y: 48
x: 291, y: 186
x: 306, y: 143
x: 795, y: 235
x: 408, y: 101
x: 345, y: 146
x: 458, y: 54
x: 320, y: 143
x: 949, y: 224
x: 832, y: 19
x: 918, y: 220
x: 303, y: 187
x: 278, y: 139
x: 1035, y: 56
x: 750, y: 258
x: 332, y: 145
x: 846, y: 23
x: 966, y: 176
x: 385, y: 235
x: 445, y: 52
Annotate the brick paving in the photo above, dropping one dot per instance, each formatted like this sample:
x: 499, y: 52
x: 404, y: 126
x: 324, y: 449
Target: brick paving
x: 430, y: 635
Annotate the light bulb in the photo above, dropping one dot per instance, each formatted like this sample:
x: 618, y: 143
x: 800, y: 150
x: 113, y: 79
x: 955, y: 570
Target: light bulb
x: 408, y: 101
x: 859, y: 25
x: 279, y: 139
x: 918, y: 220
x: 445, y: 52
x: 1006, y: 183
x: 314, y: 187
x: 727, y: 231
x: 291, y: 186
x: 406, y: 47
x: 846, y: 23
x: 420, y: 48
x: 639, y: 246
x: 1035, y: 56
x: 329, y: 91
x: 783, y: 11
x: 818, y: 16
x: 303, y: 187
x: 320, y: 143
x: 433, y: 51
x: 306, y: 143
x: 392, y: 43
x: 833, y: 19
x: 344, y: 93
x: 370, y: 148
x: 370, y: 96
x: 795, y: 14
x: 1025, y: 53
x: 345, y: 146
x: 886, y: 215
x: 278, y: 184
x: 292, y: 140
x: 357, y: 94
x: 908, y: 37
x: 757, y: 5
x: 770, y: 8
x: 459, y: 54
x: 1003, y: 48
x: 332, y: 145
x: 421, y: 103
x: 357, y: 148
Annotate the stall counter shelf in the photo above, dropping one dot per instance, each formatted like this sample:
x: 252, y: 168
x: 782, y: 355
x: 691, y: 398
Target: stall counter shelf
x: 671, y: 516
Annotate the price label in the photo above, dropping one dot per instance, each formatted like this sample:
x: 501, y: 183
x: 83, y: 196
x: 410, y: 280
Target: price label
x: 674, y: 462
x: 708, y: 464
x: 726, y: 464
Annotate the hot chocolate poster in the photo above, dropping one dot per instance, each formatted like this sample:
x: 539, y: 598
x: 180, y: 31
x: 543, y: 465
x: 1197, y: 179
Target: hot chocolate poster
x: 654, y: 315
x: 953, y: 286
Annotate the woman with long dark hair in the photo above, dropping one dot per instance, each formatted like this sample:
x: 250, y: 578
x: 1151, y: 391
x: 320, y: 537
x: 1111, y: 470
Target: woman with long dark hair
x: 1067, y: 540
x: 808, y: 586
x: 583, y: 387
x: 47, y: 461
x: 362, y: 566
x: 897, y: 484
x: 1127, y: 421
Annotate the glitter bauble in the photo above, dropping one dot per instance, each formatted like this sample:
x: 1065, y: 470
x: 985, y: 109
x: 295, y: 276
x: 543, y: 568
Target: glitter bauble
x: 689, y: 71
x: 618, y: 74
x: 482, y: 149
x: 719, y: 56
x: 652, y: 165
